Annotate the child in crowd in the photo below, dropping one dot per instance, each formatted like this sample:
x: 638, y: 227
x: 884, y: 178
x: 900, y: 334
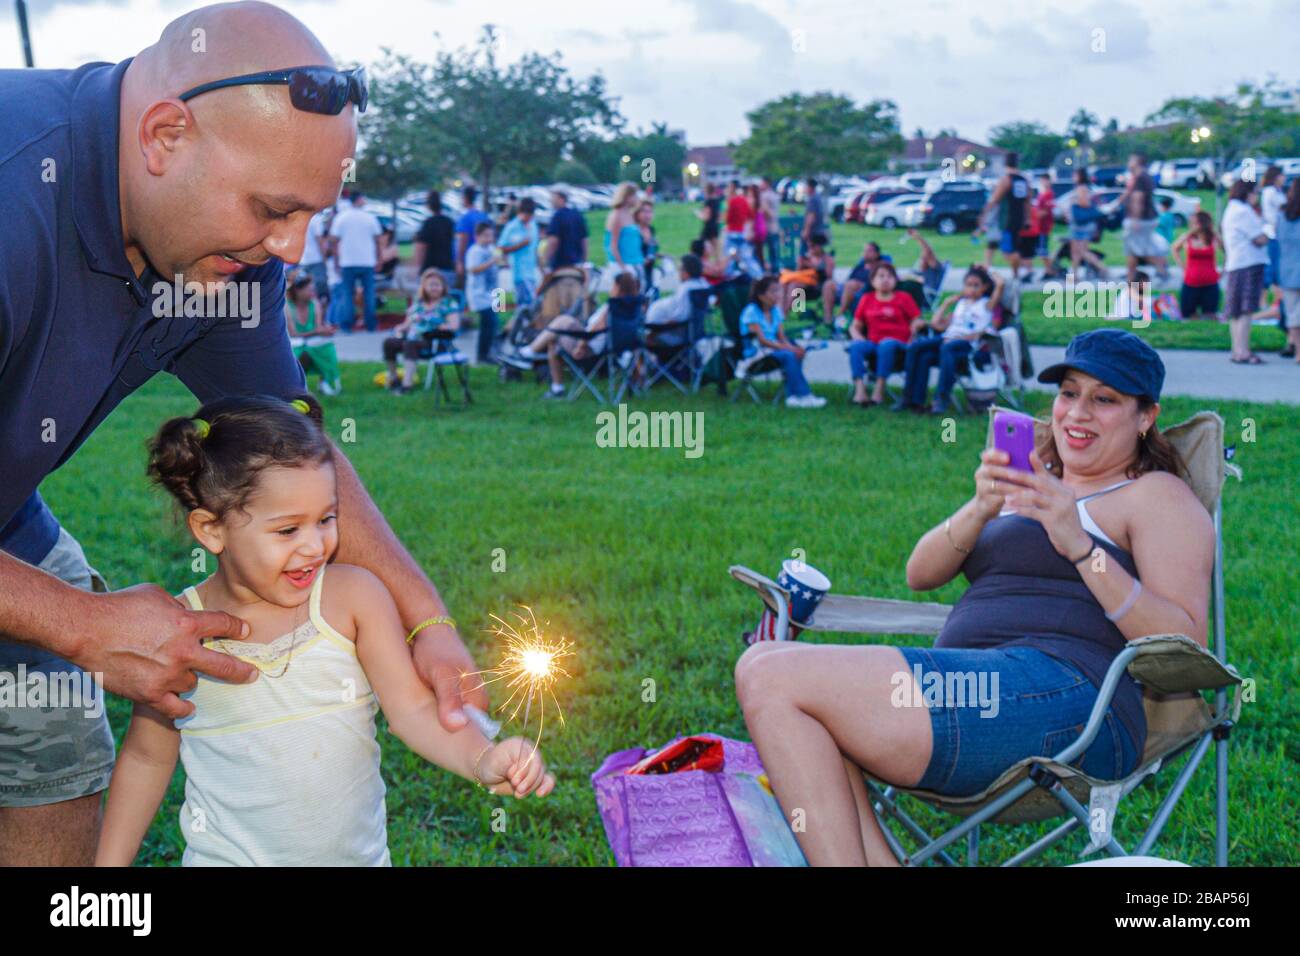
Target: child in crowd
x: 1166, y: 222
x: 1133, y: 303
x: 962, y: 320
x: 1196, y: 252
x: 309, y: 334
x: 882, y: 327
x: 285, y: 770
x: 762, y: 320
x: 481, y: 263
x: 432, y: 309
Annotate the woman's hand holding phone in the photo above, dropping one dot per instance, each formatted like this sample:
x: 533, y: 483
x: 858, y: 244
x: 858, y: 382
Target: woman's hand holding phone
x: 1036, y: 494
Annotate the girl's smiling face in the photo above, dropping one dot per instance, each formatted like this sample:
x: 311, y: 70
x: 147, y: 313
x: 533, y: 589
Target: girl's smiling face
x: 287, y: 530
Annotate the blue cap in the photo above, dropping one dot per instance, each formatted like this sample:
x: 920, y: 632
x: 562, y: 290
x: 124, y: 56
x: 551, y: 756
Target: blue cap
x: 1120, y: 359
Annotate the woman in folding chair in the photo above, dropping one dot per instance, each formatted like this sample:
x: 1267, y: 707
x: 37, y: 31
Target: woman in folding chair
x: 580, y: 340
x: 1099, y: 545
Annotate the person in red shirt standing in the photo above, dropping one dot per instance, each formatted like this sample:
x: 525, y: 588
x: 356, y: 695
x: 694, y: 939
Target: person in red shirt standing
x: 883, y: 324
x: 1043, y: 219
x: 738, y: 216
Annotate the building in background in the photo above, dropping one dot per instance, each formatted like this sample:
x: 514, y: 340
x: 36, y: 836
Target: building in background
x: 709, y: 164
x: 967, y: 156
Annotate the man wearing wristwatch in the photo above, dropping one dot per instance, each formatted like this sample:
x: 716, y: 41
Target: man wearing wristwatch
x: 202, y: 160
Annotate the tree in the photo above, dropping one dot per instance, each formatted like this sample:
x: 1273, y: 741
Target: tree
x: 402, y: 147
x: 1081, y: 125
x: 573, y: 171
x: 800, y: 134
x: 1036, y: 144
x: 488, y: 119
x: 1246, y: 123
x: 652, y: 157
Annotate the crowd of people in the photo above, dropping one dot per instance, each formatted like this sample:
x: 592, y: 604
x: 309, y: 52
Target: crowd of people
x: 349, y: 255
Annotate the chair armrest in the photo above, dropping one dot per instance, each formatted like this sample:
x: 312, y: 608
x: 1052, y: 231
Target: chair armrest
x: 1167, y: 664
x: 854, y: 615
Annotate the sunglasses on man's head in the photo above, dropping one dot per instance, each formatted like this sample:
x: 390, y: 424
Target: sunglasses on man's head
x: 313, y: 89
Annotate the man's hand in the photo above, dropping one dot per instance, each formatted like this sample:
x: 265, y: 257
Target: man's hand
x: 147, y: 646
x: 446, y: 667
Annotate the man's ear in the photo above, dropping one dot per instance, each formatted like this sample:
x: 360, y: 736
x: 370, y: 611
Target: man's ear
x: 207, y: 529
x: 162, y: 127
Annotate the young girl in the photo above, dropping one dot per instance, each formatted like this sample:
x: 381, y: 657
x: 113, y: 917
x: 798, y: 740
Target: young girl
x: 882, y: 326
x: 971, y: 316
x: 432, y: 309
x: 285, y: 770
x: 1195, y: 251
x: 761, y: 322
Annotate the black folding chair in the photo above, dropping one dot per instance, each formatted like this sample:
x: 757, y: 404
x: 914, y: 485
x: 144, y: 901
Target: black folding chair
x: 618, y: 362
x: 674, y: 347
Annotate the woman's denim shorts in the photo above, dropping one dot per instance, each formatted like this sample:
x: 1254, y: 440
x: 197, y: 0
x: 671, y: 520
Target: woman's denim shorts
x: 1000, y: 705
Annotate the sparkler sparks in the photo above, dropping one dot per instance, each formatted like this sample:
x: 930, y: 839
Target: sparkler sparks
x: 529, y: 666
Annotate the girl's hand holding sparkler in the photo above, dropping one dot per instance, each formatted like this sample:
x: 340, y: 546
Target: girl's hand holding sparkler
x: 514, y: 767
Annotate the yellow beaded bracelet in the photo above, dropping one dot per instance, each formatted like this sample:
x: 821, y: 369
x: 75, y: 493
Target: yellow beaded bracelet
x: 444, y: 619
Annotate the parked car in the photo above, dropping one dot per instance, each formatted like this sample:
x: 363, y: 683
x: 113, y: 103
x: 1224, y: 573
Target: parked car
x: 1186, y: 173
x: 953, y: 207
x: 1106, y: 176
x: 892, y: 212
x: 853, y: 212
x: 921, y: 178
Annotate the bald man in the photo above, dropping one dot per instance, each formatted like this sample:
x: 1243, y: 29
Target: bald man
x: 121, y: 184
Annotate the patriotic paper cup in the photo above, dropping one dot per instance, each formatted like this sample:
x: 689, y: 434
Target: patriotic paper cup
x: 807, y: 587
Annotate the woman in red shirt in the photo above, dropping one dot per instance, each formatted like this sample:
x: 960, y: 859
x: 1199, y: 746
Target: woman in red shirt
x: 1200, y: 292
x: 883, y: 324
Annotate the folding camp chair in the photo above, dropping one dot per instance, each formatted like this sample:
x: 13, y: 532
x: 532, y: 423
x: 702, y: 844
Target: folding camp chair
x: 676, y: 345
x: 733, y: 296
x: 1173, y: 669
x: 617, y: 364
x: 441, y: 352
x: 791, y: 229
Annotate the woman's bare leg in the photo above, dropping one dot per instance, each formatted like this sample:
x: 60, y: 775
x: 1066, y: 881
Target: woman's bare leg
x: 808, y: 708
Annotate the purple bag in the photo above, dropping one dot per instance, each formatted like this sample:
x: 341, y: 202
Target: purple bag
x: 694, y: 817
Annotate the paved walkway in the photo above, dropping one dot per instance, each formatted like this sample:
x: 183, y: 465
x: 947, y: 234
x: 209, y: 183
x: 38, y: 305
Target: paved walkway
x: 1191, y: 372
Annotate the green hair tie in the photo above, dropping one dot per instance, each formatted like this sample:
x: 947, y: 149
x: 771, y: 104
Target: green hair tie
x: 202, y: 427
x: 301, y: 405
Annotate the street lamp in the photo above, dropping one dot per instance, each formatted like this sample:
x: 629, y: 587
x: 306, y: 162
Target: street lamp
x: 24, y: 33
x: 1199, y: 135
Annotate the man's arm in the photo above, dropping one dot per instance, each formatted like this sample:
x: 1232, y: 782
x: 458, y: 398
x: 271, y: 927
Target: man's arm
x: 141, y: 639
x: 366, y: 540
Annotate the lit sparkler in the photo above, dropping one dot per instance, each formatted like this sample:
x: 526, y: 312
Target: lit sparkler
x: 529, y: 666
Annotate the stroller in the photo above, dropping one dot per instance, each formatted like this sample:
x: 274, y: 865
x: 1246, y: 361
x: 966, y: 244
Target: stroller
x: 563, y: 292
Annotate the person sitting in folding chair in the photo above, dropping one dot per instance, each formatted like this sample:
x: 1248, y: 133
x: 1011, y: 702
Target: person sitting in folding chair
x: 761, y: 320
x: 971, y: 316
x: 308, y: 335
x: 1100, y: 545
x: 675, y: 309
x: 434, y: 308
x: 882, y: 327
x: 551, y: 340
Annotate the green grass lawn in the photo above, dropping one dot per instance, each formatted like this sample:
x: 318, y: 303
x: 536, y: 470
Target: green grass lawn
x: 625, y: 551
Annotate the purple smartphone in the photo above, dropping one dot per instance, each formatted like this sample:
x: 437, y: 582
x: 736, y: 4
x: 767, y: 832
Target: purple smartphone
x: 1013, y: 433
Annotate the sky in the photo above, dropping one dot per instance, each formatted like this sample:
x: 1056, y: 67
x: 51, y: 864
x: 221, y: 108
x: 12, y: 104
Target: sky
x: 700, y: 65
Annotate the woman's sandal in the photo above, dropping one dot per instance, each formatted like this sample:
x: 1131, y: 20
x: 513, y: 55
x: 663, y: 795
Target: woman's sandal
x: 1251, y: 359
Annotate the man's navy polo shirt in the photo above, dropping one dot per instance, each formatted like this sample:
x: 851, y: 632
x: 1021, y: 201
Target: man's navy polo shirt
x: 77, y: 327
